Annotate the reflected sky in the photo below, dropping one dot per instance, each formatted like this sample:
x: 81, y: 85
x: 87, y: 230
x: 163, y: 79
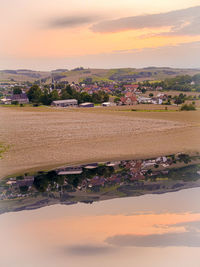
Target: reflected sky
x: 150, y: 230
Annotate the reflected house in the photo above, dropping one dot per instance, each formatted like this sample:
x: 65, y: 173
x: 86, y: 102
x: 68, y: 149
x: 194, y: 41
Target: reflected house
x: 139, y: 176
x: 11, y: 182
x: 148, y: 163
x: 114, y: 179
x: 138, y: 166
x: 28, y: 181
x: 113, y: 164
x: 70, y: 170
x: 65, y: 103
x: 97, y: 181
x: 91, y: 166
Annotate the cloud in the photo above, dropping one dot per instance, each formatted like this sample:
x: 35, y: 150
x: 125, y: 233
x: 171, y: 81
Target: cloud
x: 87, y: 250
x: 73, y: 21
x: 186, y: 239
x: 181, y: 22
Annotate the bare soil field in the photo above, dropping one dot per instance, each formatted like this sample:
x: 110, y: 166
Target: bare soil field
x: 43, y: 138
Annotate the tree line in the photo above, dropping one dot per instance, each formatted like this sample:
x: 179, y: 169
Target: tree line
x: 178, y: 83
x: 46, y: 96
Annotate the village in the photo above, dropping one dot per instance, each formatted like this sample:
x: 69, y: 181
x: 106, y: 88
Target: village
x: 98, y: 94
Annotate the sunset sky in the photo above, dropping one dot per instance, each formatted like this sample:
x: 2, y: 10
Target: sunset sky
x: 47, y: 34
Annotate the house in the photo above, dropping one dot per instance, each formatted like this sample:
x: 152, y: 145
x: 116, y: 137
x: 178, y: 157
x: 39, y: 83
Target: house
x: 129, y: 99
x: 113, y: 163
x: 86, y: 105
x: 145, y: 100
x: 131, y: 87
x: 20, y: 98
x: 162, y: 96
x: 97, y: 181
x: 27, y: 181
x: 65, y: 103
x: 91, y: 166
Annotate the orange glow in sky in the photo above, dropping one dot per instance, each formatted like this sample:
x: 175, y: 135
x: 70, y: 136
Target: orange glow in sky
x: 70, y: 29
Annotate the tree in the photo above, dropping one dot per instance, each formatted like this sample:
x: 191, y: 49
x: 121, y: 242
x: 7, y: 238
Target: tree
x: 17, y: 90
x: 69, y: 90
x: 85, y: 97
x: 196, y: 78
x: 54, y: 95
x: 34, y: 94
x: 117, y: 99
x: 179, y: 99
x: 45, y: 97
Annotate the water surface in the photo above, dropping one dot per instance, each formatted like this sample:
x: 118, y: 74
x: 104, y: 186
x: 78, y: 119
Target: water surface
x: 111, y: 214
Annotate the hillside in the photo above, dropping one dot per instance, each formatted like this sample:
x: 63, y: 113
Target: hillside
x: 79, y: 74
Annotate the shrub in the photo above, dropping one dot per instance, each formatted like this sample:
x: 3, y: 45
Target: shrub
x: 14, y: 102
x: 188, y: 107
x: 36, y: 104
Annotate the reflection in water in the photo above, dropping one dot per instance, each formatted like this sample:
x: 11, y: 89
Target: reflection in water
x: 153, y: 230
x: 99, y: 181
x: 117, y: 232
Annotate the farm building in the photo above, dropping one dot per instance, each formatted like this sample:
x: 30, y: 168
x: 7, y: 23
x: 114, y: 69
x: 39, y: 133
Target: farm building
x: 86, y: 105
x: 5, y: 101
x: 65, y: 103
x: 106, y: 104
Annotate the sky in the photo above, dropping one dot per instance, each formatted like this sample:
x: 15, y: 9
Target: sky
x: 49, y: 34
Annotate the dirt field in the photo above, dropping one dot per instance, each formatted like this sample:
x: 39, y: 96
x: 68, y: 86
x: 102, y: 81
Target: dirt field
x: 41, y: 138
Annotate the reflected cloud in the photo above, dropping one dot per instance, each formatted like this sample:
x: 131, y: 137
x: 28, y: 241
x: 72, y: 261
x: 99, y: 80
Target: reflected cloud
x: 193, y: 226
x: 185, y: 239
x: 88, y: 250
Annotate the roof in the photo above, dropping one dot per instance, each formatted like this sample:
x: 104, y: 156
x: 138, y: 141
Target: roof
x: 129, y: 94
x: 18, y: 96
x: 86, y: 103
x: 131, y: 86
x: 65, y: 101
x: 69, y: 172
